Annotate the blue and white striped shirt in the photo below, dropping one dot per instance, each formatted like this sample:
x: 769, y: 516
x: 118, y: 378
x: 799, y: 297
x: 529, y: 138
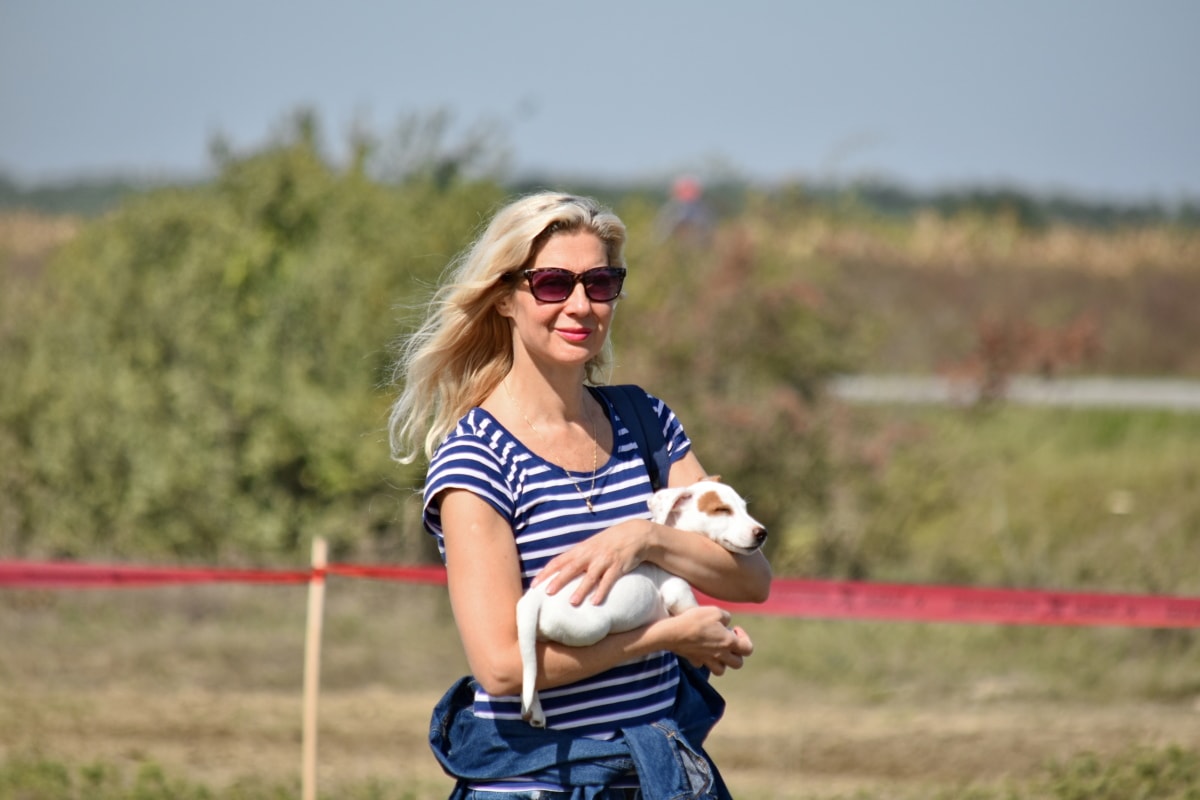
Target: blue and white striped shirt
x: 548, y: 515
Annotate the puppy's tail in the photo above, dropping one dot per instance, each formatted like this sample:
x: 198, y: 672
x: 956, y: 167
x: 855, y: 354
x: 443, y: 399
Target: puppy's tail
x: 528, y: 610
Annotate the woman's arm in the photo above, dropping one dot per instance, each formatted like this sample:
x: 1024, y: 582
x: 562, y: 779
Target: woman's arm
x: 483, y: 574
x: 703, y: 563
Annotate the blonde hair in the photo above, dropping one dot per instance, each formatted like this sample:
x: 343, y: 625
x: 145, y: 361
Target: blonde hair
x: 463, y: 349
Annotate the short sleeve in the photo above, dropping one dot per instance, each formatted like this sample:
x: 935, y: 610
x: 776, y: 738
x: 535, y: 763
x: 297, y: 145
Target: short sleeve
x: 678, y: 443
x: 470, y: 458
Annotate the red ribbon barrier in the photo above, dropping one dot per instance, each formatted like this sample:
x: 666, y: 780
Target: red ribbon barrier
x: 417, y: 574
x: 69, y: 575
x: 884, y: 601
x: 789, y: 596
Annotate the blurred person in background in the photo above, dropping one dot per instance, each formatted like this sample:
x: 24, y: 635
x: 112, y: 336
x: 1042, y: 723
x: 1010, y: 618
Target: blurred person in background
x: 685, y: 217
x: 532, y: 477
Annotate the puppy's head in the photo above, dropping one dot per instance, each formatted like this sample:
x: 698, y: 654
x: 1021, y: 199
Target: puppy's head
x: 713, y: 509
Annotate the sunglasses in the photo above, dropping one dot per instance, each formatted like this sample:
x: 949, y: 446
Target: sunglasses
x: 553, y: 285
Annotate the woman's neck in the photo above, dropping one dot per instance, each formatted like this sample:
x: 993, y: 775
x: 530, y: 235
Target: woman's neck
x: 560, y: 397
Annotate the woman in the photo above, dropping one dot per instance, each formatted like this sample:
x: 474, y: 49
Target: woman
x: 533, y: 477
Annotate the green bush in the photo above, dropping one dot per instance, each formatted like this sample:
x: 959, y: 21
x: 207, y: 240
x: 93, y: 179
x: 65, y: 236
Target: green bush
x: 204, y: 371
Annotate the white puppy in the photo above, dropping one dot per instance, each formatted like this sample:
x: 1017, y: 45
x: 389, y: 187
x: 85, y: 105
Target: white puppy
x: 640, y: 597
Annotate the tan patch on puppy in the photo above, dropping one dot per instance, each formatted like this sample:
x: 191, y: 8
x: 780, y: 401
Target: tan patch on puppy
x: 711, y: 503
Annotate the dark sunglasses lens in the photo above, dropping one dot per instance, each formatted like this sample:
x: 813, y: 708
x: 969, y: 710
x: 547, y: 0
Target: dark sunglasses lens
x: 551, y: 287
x: 602, y: 285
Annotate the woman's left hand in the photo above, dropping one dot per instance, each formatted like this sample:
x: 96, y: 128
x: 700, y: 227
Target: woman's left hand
x: 598, y: 561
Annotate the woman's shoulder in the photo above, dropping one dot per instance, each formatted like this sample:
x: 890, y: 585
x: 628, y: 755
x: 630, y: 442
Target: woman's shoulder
x: 477, y: 422
x: 479, y: 441
x: 476, y: 431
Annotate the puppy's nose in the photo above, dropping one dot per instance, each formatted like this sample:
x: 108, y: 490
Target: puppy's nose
x: 760, y: 535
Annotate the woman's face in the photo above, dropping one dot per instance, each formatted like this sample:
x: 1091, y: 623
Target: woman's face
x: 570, y: 332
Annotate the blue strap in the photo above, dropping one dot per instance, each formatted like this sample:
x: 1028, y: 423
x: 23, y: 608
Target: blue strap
x: 634, y: 408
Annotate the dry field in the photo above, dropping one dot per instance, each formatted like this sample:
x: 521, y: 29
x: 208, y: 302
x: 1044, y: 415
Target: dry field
x: 28, y: 239
x: 205, y: 681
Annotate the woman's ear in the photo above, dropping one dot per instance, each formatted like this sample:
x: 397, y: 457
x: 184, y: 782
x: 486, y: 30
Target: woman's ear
x: 504, y: 305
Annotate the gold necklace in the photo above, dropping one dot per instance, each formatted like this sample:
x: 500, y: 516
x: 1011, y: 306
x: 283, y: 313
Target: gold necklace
x: 587, y: 498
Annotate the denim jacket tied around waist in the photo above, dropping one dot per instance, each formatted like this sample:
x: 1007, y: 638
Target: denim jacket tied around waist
x: 667, y: 753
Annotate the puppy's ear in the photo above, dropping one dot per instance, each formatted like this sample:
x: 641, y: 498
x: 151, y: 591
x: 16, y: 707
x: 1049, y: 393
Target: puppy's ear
x: 713, y: 478
x: 665, y: 505
x: 683, y: 498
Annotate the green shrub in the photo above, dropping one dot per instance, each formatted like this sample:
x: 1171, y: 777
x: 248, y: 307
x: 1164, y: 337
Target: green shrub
x: 203, y: 373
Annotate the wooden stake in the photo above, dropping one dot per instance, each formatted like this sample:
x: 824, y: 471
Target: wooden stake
x: 312, y: 669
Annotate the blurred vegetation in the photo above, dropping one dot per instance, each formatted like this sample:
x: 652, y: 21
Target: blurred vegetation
x: 1166, y: 773
x: 86, y: 197
x: 32, y: 778
x: 201, y: 372
x: 1169, y: 773
x: 1102, y: 500
x: 197, y: 374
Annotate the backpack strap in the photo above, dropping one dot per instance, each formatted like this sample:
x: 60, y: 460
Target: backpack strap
x: 634, y: 408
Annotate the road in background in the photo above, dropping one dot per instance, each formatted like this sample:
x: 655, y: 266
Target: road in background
x: 1097, y: 392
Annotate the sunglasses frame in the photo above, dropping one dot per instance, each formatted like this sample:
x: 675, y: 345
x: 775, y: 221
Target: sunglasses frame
x: 575, y: 278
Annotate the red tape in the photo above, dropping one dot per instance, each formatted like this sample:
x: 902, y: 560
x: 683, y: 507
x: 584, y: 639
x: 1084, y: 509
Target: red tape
x: 417, y: 574
x: 790, y: 597
x: 68, y: 575
x: 883, y: 601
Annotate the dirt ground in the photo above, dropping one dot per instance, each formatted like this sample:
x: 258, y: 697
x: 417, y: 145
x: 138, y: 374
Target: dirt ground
x: 207, y: 684
x: 796, y: 747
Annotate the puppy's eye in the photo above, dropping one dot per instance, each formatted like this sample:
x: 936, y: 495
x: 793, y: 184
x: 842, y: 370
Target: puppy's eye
x: 722, y: 511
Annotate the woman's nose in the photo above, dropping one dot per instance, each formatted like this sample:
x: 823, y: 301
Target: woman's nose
x: 578, y: 302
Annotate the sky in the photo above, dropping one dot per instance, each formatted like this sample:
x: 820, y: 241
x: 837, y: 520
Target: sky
x: 1095, y: 98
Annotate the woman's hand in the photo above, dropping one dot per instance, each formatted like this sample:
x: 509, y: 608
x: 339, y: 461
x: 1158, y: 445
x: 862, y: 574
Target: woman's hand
x: 599, y: 560
x: 702, y: 635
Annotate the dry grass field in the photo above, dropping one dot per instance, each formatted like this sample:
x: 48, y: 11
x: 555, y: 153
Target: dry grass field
x: 205, y: 681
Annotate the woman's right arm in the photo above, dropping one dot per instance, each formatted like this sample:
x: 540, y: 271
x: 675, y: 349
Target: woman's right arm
x: 484, y: 580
